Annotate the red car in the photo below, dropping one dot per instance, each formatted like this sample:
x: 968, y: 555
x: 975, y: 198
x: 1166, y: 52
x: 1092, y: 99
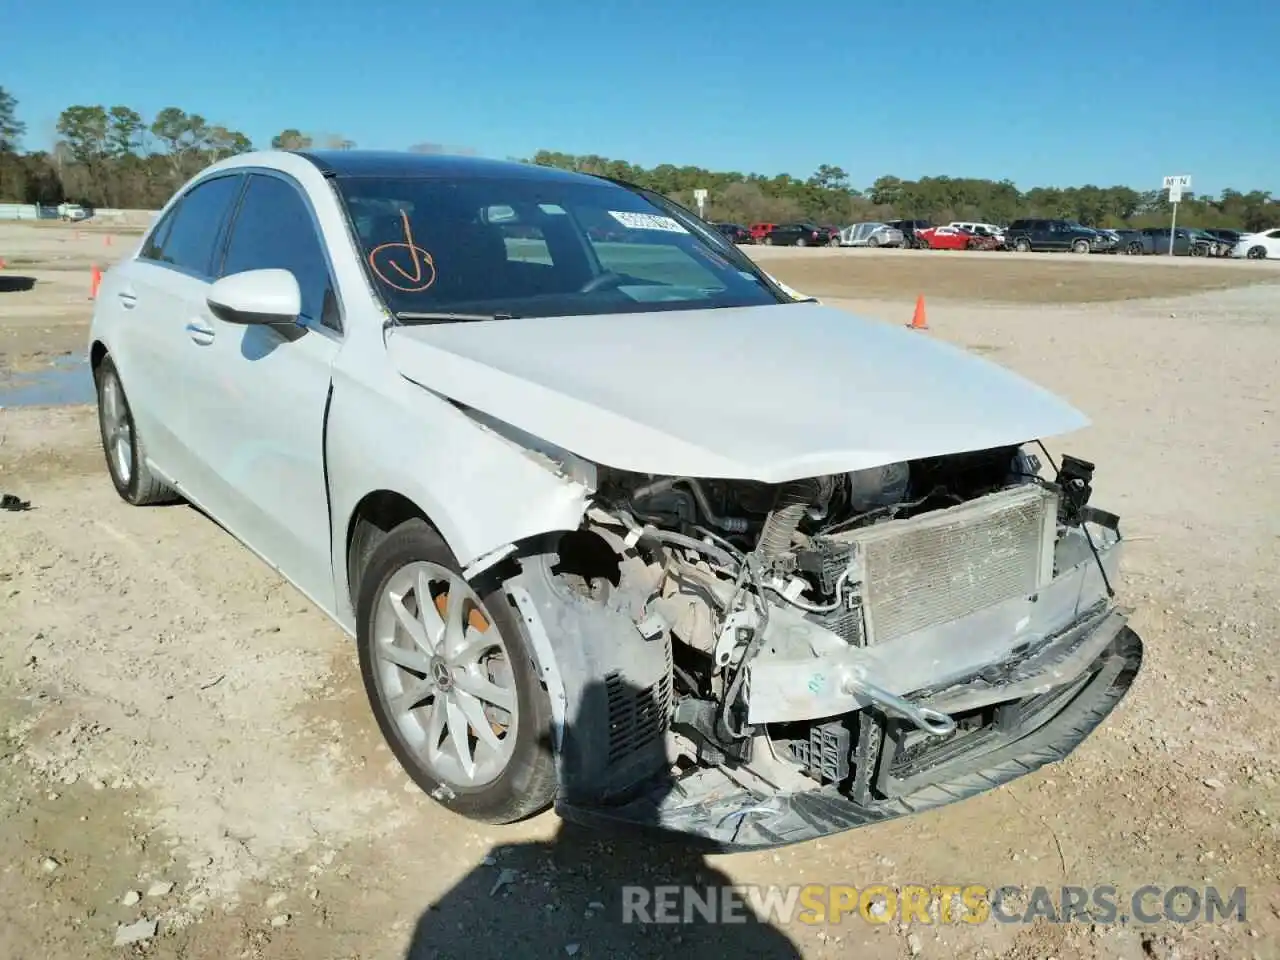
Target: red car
x: 954, y: 238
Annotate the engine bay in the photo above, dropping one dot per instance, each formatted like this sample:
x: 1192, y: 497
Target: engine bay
x: 714, y: 560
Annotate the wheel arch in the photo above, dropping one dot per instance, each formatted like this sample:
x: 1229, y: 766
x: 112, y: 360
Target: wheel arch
x: 97, y: 352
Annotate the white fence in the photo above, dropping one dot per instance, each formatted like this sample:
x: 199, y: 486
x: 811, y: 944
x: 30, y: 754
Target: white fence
x: 34, y: 211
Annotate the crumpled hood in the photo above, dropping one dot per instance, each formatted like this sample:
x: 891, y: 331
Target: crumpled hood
x: 768, y: 393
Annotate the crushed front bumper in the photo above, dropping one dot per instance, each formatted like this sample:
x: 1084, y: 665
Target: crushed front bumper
x: 1059, y: 702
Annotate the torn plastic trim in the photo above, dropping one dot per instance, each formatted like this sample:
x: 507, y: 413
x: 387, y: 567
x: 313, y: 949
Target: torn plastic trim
x: 1059, y: 661
x: 544, y: 653
x: 711, y: 812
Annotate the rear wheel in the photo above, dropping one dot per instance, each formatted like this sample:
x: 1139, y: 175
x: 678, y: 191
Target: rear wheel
x: 126, y: 456
x: 801, y: 242
x: 1022, y: 245
x: 873, y: 242
x: 1134, y: 249
x: 451, y: 681
x: 1257, y: 253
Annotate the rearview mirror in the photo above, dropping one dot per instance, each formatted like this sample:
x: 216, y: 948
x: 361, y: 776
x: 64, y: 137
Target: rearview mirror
x: 256, y: 296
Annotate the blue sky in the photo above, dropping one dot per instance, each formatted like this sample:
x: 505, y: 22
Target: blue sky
x: 1038, y: 91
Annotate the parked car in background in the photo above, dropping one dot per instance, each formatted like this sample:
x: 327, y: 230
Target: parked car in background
x: 1264, y: 245
x: 980, y: 229
x: 1186, y: 241
x: 1133, y: 242
x: 909, y: 229
x: 1229, y: 237
x: 954, y: 238
x: 72, y: 212
x: 870, y: 234
x: 735, y: 232
x: 1036, y: 234
x: 758, y: 231
x: 803, y: 234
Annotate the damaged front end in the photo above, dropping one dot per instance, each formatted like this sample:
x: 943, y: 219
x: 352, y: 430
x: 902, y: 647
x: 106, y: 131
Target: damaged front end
x: 760, y: 664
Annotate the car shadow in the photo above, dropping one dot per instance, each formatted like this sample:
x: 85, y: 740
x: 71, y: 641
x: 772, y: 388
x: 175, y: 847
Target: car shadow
x: 15, y: 283
x: 589, y: 893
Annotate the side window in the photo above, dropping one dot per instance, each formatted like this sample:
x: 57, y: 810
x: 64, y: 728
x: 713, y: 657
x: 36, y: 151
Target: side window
x: 155, y: 243
x: 1274, y: 235
x: 274, y: 230
x: 193, y: 227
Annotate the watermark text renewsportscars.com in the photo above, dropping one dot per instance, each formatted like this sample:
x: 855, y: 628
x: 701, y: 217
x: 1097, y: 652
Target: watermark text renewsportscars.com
x: 931, y: 904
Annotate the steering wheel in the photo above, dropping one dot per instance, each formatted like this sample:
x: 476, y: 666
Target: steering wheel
x: 605, y: 281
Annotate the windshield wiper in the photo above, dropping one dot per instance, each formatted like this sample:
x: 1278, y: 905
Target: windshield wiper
x: 445, y: 317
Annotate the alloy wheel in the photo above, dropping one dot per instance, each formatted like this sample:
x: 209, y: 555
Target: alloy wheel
x: 444, y: 675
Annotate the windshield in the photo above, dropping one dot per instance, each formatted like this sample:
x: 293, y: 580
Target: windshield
x: 540, y: 248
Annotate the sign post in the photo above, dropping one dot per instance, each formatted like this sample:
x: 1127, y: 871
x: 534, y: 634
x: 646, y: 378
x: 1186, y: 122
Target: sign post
x: 1175, y: 185
x: 700, y: 198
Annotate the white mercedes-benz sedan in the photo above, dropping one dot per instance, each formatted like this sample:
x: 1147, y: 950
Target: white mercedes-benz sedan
x: 618, y: 522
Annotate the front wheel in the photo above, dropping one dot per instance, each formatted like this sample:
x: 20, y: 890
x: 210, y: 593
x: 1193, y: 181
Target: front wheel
x: 1023, y: 246
x: 450, y: 677
x: 802, y: 242
x: 1080, y: 246
x: 873, y: 242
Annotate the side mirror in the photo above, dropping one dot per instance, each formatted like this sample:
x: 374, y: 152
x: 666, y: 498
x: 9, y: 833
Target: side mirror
x: 256, y: 297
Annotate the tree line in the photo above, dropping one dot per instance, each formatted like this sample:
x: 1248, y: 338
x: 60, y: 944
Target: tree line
x: 114, y: 157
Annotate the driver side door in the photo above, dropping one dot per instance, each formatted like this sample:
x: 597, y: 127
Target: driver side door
x: 268, y: 391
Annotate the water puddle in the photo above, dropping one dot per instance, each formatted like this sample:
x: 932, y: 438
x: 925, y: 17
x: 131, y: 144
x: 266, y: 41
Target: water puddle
x: 66, y: 381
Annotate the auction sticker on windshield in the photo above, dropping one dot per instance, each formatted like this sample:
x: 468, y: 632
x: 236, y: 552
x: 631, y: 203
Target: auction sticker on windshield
x: 647, y: 221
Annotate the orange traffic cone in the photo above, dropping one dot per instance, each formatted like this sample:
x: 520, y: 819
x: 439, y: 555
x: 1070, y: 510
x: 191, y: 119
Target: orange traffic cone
x: 918, y: 319
x: 95, y: 281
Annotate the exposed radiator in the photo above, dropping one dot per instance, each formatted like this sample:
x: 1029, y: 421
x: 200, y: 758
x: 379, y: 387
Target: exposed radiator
x: 947, y: 564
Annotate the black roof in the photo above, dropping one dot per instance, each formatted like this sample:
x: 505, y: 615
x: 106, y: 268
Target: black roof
x: 392, y: 163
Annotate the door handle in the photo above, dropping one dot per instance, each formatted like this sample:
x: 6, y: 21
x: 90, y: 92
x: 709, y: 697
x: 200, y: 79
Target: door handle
x: 128, y: 299
x: 200, y: 332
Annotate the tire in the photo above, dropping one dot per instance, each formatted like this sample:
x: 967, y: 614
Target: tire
x: 1022, y: 245
x: 122, y: 447
x: 521, y: 779
x: 801, y: 242
x: 873, y: 242
x: 767, y: 241
x: 833, y: 242
x: 1257, y: 253
x: 1080, y: 246
x: 1134, y: 249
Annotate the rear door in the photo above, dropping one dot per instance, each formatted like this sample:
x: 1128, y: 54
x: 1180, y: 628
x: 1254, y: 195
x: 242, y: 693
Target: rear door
x: 266, y: 392
x: 161, y: 349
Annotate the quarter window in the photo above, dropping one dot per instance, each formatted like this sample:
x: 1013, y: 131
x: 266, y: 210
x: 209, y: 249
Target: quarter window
x: 274, y: 230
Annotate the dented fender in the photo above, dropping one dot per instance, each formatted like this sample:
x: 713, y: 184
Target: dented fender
x: 482, y: 490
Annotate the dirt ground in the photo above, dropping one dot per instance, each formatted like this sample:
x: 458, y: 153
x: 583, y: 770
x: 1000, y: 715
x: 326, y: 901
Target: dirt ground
x: 184, y: 739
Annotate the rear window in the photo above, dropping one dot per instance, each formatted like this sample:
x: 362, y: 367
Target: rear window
x: 533, y: 247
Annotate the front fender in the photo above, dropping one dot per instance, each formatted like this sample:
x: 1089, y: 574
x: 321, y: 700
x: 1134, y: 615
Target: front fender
x: 480, y: 489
